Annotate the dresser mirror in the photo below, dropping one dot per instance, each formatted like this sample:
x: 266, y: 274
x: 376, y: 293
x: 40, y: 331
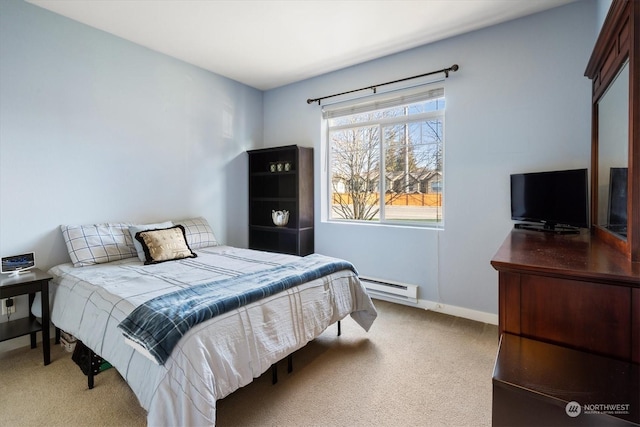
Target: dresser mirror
x: 614, y: 69
x: 613, y: 155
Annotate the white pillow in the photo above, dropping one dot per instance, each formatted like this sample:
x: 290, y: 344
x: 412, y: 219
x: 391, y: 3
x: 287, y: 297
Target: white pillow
x: 143, y: 227
x: 198, y: 232
x: 98, y: 243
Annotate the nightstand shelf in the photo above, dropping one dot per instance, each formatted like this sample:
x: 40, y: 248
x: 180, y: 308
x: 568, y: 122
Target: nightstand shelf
x: 28, y: 284
x: 19, y: 327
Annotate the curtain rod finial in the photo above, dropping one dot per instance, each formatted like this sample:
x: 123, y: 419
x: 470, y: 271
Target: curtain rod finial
x: 454, y: 67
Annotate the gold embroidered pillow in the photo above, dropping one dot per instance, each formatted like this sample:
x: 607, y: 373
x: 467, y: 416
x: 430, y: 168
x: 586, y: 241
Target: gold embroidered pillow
x: 165, y: 244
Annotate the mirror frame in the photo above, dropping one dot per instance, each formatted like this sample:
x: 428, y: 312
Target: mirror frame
x: 618, y: 41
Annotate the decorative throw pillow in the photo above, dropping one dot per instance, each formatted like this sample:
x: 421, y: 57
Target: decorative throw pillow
x: 137, y: 228
x: 98, y: 243
x: 198, y: 232
x: 166, y: 244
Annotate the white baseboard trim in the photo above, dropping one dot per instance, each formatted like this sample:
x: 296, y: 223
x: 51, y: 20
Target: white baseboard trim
x: 452, y: 310
x: 467, y: 313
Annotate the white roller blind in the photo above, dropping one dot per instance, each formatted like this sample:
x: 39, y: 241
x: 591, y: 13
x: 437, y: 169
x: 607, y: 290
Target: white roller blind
x: 377, y: 102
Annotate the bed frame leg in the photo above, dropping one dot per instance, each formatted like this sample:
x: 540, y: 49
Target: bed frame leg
x: 90, y: 375
x: 339, y: 329
x: 274, y: 369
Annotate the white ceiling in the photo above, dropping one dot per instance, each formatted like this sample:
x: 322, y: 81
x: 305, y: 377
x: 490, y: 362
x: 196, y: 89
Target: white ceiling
x: 271, y: 43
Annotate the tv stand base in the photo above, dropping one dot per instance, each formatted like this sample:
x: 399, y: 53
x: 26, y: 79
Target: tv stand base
x: 545, y: 229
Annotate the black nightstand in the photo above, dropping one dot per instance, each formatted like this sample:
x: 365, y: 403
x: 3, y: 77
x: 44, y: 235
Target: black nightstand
x: 28, y: 283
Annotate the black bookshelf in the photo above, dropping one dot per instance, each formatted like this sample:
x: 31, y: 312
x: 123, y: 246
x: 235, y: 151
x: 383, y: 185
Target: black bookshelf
x: 281, y: 178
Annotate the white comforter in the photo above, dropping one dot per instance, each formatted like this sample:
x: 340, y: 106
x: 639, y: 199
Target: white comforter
x: 216, y: 357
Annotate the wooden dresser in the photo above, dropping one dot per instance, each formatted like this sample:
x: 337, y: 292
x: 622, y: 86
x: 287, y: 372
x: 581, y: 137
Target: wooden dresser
x: 559, y: 294
x: 572, y: 290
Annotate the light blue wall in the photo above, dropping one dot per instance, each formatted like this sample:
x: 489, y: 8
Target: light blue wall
x: 519, y: 103
x: 94, y: 128
x: 603, y: 7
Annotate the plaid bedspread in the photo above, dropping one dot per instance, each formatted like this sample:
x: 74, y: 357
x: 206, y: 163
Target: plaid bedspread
x: 158, y: 324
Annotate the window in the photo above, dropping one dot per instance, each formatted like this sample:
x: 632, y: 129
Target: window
x: 386, y: 159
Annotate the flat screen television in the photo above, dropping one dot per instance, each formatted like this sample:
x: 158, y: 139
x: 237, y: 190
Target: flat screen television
x: 554, y: 201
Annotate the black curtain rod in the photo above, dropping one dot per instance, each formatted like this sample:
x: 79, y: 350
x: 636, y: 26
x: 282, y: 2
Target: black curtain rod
x: 454, y: 67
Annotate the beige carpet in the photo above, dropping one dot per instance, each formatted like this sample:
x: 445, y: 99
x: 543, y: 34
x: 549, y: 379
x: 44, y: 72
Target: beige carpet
x: 414, y: 368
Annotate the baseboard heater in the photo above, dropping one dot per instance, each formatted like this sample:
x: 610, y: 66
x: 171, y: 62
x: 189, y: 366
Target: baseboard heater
x: 385, y: 289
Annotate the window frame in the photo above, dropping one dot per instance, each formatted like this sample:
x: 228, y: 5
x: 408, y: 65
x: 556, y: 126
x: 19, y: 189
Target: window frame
x: 437, y: 115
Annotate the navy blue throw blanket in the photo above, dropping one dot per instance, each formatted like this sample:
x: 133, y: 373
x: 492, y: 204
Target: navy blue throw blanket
x: 158, y: 324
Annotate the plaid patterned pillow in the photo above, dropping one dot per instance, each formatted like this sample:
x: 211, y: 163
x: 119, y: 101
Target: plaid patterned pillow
x: 98, y: 243
x: 198, y: 232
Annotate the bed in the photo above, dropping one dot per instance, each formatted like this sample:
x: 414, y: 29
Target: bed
x: 91, y: 300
